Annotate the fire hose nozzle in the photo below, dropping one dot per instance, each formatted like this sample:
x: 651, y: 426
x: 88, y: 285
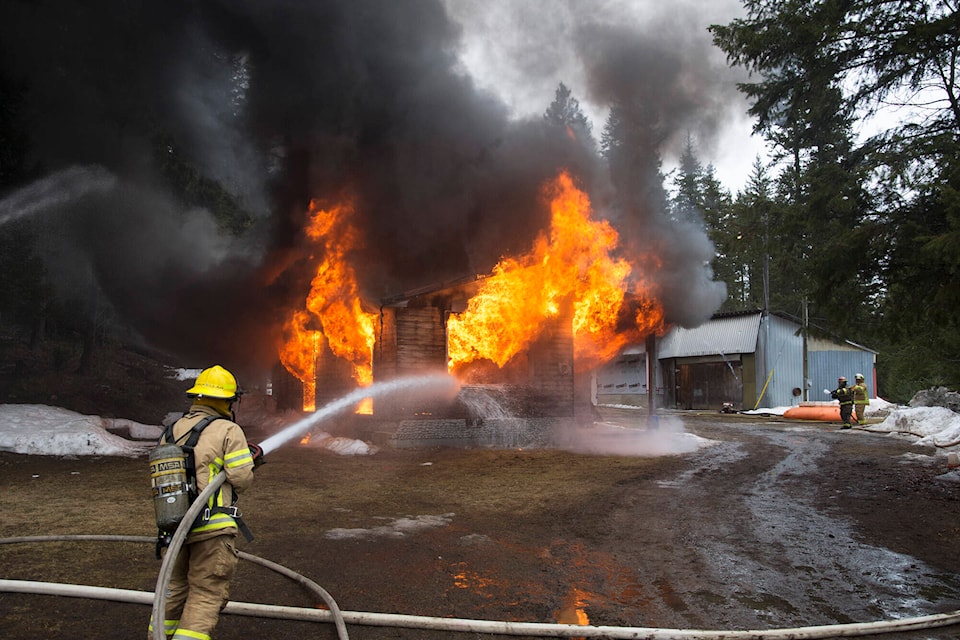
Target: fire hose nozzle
x: 257, y: 452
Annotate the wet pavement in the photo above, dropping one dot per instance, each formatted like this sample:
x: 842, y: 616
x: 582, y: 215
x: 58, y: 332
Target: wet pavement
x: 749, y: 538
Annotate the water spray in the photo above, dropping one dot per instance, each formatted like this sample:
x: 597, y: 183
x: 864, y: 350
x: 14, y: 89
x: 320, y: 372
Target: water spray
x: 440, y: 383
x: 56, y: 189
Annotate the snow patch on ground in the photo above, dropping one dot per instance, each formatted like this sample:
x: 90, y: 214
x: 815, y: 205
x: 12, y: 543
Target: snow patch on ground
x: 41, y: 430
x: 397, y: 527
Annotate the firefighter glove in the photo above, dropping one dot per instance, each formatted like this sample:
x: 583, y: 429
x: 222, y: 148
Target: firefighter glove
x: 257, y: 452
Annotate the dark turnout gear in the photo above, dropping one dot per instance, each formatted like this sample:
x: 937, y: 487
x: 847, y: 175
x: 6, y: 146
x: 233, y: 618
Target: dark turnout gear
x: 844, y: 395
x: 200, y: 580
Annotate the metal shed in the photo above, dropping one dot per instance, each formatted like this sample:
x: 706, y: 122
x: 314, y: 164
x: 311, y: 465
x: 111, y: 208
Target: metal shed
x: 749, y: 359
x: 715, y: 363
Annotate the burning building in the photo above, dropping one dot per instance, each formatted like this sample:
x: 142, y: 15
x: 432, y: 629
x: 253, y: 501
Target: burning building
x: 414, y: 338
x: 239, y: 181
x: 529, y: 331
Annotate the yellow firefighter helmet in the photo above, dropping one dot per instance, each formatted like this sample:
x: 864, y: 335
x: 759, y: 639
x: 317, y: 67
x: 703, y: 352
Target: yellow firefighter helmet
x: 215, y: 382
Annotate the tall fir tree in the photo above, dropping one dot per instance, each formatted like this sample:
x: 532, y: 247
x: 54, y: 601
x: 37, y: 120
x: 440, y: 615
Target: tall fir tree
x: 855, y: 208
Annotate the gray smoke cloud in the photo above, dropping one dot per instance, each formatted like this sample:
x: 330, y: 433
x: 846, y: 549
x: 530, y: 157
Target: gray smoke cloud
x: 285, y: 101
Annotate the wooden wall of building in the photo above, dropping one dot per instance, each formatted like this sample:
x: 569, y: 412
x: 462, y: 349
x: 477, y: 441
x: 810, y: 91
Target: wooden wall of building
x: 410, y: 342
x: 551, y: 381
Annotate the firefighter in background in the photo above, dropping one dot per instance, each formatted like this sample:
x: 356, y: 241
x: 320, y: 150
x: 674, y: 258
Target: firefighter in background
x: 200, y: 582
x: 861, y: 398
x: 844, y: 395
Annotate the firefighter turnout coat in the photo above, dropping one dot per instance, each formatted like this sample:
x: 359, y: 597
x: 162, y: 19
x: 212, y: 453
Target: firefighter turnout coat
x: 222, y: 447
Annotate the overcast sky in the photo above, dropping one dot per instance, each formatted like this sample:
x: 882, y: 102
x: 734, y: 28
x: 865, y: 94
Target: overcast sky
x: 522, y: 49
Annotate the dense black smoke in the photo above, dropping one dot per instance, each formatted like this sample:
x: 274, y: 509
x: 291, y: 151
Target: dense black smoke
x: 661, y: 85
x: 285, y: 101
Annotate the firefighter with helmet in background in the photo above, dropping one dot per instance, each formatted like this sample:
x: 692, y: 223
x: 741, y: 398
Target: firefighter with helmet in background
x: 844, y: 395
x: 200, y: 581
x: 861, y: 397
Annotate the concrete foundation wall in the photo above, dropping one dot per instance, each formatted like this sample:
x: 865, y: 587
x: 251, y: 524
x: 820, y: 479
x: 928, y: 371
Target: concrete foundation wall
x: 507, y: 433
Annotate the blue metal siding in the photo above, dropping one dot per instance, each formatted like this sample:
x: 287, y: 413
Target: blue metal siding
x: 781, y: 361
x: 778, y: 348
x: 826, y: 366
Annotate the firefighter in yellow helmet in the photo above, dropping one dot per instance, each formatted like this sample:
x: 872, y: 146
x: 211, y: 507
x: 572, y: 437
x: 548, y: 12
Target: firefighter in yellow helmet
x: 200, y: 582
x: 861, y: 397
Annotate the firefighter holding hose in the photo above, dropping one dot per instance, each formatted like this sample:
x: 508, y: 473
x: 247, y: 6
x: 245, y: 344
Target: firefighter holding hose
x: 211, y: 442
x: 844, y: 395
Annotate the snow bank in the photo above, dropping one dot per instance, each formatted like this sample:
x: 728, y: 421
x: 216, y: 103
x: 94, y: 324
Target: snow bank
x: 35, y: 429
x: 934, y: 426
x: 340, y: 445
x: 41, y: 430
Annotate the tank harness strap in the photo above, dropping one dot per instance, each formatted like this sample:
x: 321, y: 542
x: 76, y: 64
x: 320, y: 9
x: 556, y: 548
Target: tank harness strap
x: 192, y: 437
x: 205, y: 515
x: 233, y: 512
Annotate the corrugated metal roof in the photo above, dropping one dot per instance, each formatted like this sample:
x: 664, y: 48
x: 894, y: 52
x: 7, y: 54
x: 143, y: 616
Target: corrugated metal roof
x: 725, y: 335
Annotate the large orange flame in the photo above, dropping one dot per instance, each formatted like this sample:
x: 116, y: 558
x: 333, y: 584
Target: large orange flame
x: 333, y: 317
x: 574, y: 263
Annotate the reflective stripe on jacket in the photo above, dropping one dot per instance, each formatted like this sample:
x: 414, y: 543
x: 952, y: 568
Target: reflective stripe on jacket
x: 860, y: 395
x: 222, y: 447
x: 843, y: 394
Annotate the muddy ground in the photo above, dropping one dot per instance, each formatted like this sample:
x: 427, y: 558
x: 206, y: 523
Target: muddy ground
x: 777, y: 524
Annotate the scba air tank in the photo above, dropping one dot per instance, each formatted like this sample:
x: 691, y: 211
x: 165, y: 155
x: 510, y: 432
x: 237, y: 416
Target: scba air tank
x: 171, y: 492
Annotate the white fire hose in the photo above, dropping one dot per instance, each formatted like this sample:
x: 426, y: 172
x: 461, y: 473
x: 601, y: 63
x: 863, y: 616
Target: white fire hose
x: 173, y: 549
x: 455, y: 624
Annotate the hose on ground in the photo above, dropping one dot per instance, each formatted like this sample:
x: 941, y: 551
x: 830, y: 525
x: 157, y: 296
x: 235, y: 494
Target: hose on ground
x: 503, y: 627
x: 157, y: 616
x: 310, y: 585
x: 173, y: 549
x: 459, y: 624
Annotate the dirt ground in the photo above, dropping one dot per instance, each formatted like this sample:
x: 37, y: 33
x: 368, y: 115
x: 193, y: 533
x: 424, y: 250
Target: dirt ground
x: 777, y: 524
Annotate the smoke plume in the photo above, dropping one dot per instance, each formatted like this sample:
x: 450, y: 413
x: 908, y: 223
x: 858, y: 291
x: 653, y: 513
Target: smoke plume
x: 279, y: 103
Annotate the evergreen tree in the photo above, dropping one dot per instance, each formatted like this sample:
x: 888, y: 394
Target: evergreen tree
x: 820, y: 63
x: 630, y: 143
x: 751, y: 218
x: 565, y: 111
x: 800, y: 108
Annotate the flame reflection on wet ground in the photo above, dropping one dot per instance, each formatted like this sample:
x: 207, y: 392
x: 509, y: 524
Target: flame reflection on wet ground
x: 466, y: 578
x: 573, y: 609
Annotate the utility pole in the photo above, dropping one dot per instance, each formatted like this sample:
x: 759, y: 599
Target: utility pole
x: 806, y: 372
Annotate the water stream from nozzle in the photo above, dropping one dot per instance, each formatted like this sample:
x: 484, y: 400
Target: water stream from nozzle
x: 485, y: 402
x: 434, y: 384
x: 56, y: 189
